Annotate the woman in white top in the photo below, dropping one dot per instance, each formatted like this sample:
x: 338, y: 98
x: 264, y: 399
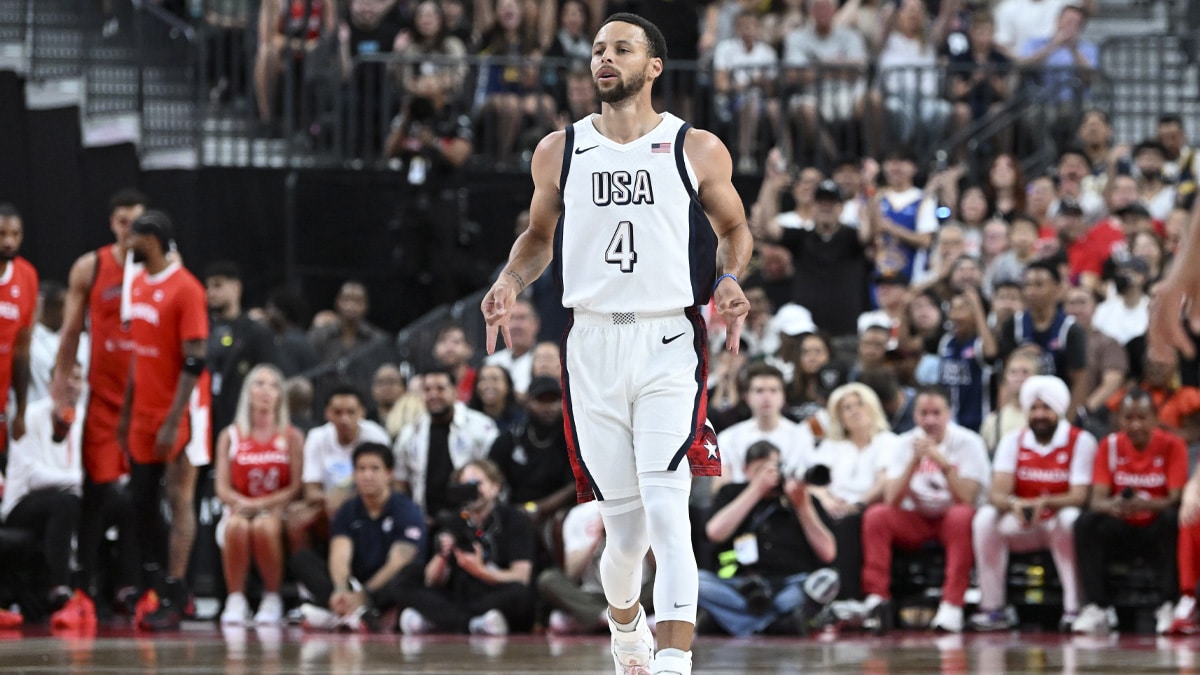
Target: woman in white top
x: 857, y: 445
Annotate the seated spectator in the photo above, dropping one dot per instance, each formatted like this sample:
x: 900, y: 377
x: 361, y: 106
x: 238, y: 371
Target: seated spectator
x: 517, y: 358
x: 972, y: 214
x: 387, y: 388
x: 1024, y: 233
x: 814, y: 376
x: 259, y: 464
x: 1126, y: 315
x: 727, y: 393
x: 1007, y: 300
x: 1088, y: 248
x: 453, y: 351
x: 1066, y: 49
x: 868, y: 18
x: 829, y: 63
x: 351, y: 346
x: 898, y: 400
x: 288, y: 30
x: 574, y: 593
x: 369, y: 27
x: 1018, y: 21
x: 299, y: 394
x: 285, y: 312
x: 1040, y: 480
x: 780, y: 547
x: 375, y: 535
x: 547, y: 361
x: 764, y: 396
x: 1042, y: 194
x: 478, y: 578
x: 910, y: 80
x: 328, y: 473
x: 534, y: 458
x: 579, y: 98
x: 776, y: 178
x: 494, y: 397
x: 573, y: 39
x: 744, y: 72
x: 1151, y: 249
x: 894, y: 298
x: 935, y: 478
x: 42, y: 489
x: 966, y: 353
x: 1005, y: 187
x: 1139, y: 475
x: 1107, y: 362
x: 1153, y: 189
x: 856, y: 449
x: 431, y: 52
x: 440, y: 443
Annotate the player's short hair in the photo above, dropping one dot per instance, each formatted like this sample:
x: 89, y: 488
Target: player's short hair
x: 656, y: 44
x: 123, y: 199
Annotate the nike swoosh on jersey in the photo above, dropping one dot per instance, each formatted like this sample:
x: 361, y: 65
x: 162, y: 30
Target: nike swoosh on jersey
x: 668, y: 340
x: 580, y: 151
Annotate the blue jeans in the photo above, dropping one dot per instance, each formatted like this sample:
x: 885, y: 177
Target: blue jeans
x: 721, y: 599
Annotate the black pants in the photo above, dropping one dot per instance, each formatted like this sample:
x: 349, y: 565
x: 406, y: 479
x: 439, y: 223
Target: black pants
x: 107, y: 505
x: 312, y: 570
x: 146, y: 492
x: 452, y: 611
x: 847, y: 532
x: 1101, y: 538
x: 52, y: 514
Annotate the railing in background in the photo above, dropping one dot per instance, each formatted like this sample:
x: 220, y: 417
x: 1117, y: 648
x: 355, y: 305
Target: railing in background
x: 1149, y: 76
x: 14, y: 22
x: 169, y: 94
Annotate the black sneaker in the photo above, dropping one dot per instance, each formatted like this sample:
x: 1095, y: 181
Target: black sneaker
x: 169, y: 613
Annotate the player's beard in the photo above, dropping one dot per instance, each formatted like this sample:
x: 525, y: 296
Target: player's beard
x: 624, y: 90
x: 6, y: 255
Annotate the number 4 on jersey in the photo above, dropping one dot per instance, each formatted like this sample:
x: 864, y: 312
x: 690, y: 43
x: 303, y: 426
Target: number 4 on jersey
x: 620, y: 249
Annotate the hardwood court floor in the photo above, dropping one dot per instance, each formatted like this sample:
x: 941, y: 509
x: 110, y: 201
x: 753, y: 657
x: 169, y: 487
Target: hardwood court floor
x: 203, y: 649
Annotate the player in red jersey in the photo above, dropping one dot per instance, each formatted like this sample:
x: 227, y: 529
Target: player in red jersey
x: 169, y: 323
x: 259, y: 461
x: 93, y: 301
x: 18, y: 301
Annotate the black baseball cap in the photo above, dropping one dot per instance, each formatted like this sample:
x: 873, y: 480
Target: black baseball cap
x: 828, y: 189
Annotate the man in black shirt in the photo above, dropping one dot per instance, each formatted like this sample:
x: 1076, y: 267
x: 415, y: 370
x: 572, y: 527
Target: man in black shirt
x: 828, y: 251
x: 780, y: 546
x: 534, y: 457
x: 236, y: 343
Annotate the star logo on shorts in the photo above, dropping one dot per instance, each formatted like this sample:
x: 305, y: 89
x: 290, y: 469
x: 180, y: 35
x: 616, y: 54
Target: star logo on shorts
x: 712, y: 449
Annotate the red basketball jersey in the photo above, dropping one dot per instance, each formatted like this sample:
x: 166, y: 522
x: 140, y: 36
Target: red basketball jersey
x: 1048, y: 474
x: 166, y: 309
x: 18, y: 302
x: 1150, y: 473
x: 112, y: 343
x: 258, y: 468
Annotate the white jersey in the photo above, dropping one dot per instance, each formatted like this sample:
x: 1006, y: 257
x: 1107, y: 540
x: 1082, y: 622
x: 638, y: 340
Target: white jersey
x: 633, y: 236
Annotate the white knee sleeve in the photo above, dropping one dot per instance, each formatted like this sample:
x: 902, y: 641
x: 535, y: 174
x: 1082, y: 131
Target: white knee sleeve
x: 626, y: 543
x: 676, y: 584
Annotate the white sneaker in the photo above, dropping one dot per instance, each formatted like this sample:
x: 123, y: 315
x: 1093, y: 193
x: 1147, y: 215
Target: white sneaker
x: 822, y: 586
x: 949, y: 618
x: 318, y: 618
x: 270, y: 610
x: 672, y: 662
x: 634, y: 650
x: 237, y: 612
x: 491, y: 622
x: 1164, y: 616
x: 413, y: 623
x: 1092, y: 621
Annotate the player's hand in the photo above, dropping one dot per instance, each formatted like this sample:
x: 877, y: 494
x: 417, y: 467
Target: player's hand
x: 1166, y: 337
x: 733, y: 306
x: 17, y: 428
x: 164, y: 441
x: 496, y: 305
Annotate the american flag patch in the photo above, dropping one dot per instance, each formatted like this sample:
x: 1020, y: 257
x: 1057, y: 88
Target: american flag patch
x: 660, y: 147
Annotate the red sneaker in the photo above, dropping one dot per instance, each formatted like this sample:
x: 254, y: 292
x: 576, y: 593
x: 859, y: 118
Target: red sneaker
x: 1184, y: 620
x: 146, y: 605
x: 79, y: 612
x: 10, y: 619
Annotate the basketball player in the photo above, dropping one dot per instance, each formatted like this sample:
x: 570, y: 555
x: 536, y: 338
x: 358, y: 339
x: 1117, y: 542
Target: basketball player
x: 651, y: 228
x: 94, y: 299
x: 161, y: 414
x: 18, y: 301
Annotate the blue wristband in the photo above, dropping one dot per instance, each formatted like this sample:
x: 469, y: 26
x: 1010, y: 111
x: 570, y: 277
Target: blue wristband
x: 722, y: 278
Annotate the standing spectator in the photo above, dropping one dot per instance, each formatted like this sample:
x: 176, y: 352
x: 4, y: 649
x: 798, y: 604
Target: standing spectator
x: 328, y: 474
x: 236, y: 343
x: 794, y: 442
x: 367, y: 28
x: 259, y: 463
x: 517, y: 358
x: 443, y: 441
x: 375, y: 535
x: 830, y: 61
x: 784, y: 577
x: 966, y: 353
x: 285, y: 312
x: 1062, y: 57
x: 904, y: 231
x: 1139, y: 476
x: 909, y: 78
x: 94, y: 289
x: 935, y: 478
x: 453, y: 351
x: 829, y: 250
x: 856, y: 449
x: 1107, y: 361
x: 43, y: 343
x: 494, y: 397
x: 164, y: 411
x: 533, y: 456
x: 979, y: 75
x: 1040, y: 480
x: 42, y: 492
x: 744, y: 72
x: 19, y: 288
x: 1063, y: 343
x: 288, y: 32
x: 478, y: 578
x: 351, y: 347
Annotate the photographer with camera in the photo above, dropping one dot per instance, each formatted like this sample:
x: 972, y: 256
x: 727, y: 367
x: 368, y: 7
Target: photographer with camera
x: 376, y: 534
x: 775, y: 578
x: 1040, y: 481
x: 478, y: 578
